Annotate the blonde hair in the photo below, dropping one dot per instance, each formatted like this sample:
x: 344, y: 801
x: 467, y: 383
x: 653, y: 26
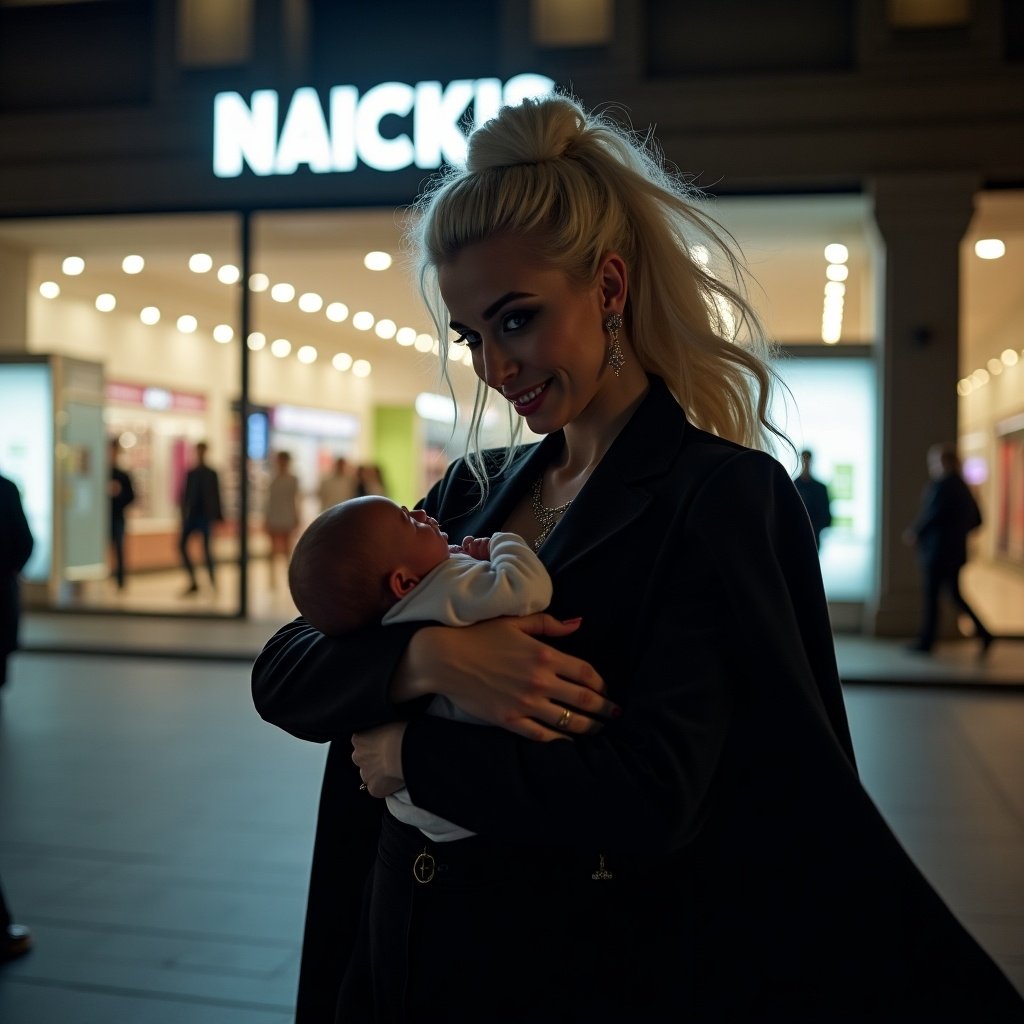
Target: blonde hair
x: 578, y: 186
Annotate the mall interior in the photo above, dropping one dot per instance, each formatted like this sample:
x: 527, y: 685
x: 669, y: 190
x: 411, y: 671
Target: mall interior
x: 203, y: 217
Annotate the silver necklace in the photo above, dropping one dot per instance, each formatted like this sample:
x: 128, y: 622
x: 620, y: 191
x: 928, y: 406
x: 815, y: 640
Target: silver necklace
x: 546, y: 517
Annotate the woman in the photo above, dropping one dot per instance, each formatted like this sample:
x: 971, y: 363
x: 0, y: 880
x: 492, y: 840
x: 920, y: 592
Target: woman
x: 694, y: 844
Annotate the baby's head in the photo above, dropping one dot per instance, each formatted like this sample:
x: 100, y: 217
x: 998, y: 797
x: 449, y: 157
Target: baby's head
x: 357, y: 559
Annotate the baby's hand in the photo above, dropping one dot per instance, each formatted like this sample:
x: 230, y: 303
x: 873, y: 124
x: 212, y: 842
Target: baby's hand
x: 477, y: 547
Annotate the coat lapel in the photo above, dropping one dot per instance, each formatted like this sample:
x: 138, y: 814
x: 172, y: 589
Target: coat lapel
x: 621, y: 487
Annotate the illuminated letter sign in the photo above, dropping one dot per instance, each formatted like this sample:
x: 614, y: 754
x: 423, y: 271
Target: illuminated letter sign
x: 354, y: 129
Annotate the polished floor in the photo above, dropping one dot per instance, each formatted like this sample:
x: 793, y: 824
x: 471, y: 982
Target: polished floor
x: 156, y: 833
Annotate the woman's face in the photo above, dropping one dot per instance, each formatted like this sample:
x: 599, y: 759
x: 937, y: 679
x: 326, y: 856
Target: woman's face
x: 536, y: 336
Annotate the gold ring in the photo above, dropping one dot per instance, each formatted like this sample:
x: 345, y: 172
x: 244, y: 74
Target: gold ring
x: 564, y: 720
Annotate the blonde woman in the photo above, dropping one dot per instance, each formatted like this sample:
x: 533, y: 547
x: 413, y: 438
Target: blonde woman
x: 669, y: 821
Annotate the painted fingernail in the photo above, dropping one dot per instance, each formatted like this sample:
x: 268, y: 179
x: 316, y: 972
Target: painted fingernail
x: 572, y: 622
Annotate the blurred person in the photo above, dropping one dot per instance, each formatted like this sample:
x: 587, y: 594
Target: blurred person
x: 200, y: 511
x: 122, y: 494
x: 948, y: 514
x: 337, y: 486
x: 281, y: 515
x: 369, y: 480
x: 16, y: 545
x: 814, y: 495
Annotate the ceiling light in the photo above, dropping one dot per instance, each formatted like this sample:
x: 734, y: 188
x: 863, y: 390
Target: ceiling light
x: 256, y: 341
x: 223, y: 333
x: 377, y: 261
x: 49, y: 289
x: 980, y: 378
x: 424, y: 342
x: 342, y: 361
x: 835, y: 289
x: 200, y: 262
x: 282, y: 292
x: 306, y: 354
x: 361, y: 368
x: 455, y: 350
x: 836, y: 253
x: 1010, y: 357
x: 337, y: 312
x: 310, y: 302
x: 258, y: 282
x: 406, y: 336
x: 385, y: 329
x: 149, y: 315
x: 467, y: 356
x: 105, y: 302
x: 73, y: 266
x: 362, y: 321
x: 964, y: 387
x: 995, y: 367
x: 132, y: 264
x: 989, y: 248
x: 280, y: 347
x: 187, y: 324
x: 229, y: 274
x: 837, y: 272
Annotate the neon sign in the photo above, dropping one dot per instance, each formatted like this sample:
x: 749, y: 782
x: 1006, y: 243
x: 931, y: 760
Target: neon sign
x: 349, y: 131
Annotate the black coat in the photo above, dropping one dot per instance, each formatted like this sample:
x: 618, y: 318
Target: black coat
x: 200, y: 497
x: 756, y: 879
x: 15, y: 548
x: 948, y: 514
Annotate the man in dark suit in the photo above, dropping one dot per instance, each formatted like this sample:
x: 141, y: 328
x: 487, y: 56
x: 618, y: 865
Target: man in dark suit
x: 948, y: 514
x: 200, y: 509
x: 814, y: 495
x: 15, y: 547
x: 122, y: 494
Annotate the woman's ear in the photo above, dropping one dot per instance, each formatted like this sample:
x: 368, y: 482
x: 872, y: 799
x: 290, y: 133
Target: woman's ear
x: 613, y: 282
x: 401, y: 582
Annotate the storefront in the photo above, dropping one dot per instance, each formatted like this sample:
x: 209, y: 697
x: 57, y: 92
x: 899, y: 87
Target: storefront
x: 226, y: 253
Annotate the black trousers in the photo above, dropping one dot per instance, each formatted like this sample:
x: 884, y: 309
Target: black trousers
x: 936, y: 579
x: 202, y: 526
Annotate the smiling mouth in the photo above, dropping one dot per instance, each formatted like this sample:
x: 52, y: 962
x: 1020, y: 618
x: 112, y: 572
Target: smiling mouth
x: 528, y: 397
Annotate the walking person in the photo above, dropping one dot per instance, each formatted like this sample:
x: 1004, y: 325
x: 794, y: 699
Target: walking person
x: 668, y: 821
x: 200, y: 512
x: 122, y: 494
x: 814, y: 495
x: 16, y: 543
x: 948, y: 515
x: 281, y: 515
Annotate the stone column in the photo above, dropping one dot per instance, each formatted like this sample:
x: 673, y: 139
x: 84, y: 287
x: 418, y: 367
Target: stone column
x: 13, y: 299
x: 921, y: 219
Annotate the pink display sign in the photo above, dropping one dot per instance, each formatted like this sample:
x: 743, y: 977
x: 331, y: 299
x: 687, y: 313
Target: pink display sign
x: 158, y: 399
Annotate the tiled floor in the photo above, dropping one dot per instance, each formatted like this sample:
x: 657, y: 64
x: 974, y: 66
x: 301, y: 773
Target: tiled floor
x: 156, y: 834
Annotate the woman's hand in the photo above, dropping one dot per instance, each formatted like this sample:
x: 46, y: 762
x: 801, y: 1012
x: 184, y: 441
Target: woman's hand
x: 378, y: 754
x: 499, y: 671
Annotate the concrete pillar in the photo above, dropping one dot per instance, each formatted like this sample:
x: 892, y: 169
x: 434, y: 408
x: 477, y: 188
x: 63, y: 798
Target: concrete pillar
x: 13, y: 299
x: 921, y: 219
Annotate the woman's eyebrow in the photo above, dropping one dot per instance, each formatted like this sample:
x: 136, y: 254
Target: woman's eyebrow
x: 493, y: 308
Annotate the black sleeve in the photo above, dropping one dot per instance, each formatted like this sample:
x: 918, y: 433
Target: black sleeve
x: 321, y: 688
x: 738, y: 556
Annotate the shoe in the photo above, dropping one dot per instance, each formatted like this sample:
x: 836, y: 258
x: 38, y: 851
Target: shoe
x: 987, y: 639
x: 191, y: 589
x: 15, y: 942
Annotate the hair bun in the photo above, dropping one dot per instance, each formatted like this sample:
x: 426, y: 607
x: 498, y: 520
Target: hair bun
x: 532, y: 132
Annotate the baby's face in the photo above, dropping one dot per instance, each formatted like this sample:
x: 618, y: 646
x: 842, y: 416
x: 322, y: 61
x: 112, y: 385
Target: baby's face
x: 413, y: 539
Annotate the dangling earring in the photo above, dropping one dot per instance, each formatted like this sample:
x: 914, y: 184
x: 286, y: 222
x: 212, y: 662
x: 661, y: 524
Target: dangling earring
x: 616, y: 360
